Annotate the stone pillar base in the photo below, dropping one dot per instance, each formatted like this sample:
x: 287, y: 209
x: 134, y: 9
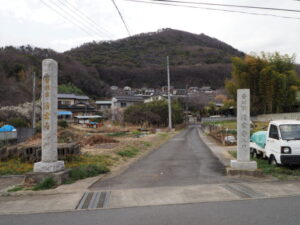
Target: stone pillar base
x: 48, y: 167
x: 246, y: 165
x: 33, y: 178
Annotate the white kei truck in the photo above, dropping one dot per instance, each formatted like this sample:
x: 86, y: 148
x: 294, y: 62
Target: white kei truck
x: 280, y: 144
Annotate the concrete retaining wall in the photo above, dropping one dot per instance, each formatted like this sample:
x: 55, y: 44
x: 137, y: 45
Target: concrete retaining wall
x: 279, y: 116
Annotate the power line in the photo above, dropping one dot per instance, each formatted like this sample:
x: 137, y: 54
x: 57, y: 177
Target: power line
x: 122, y: 18
x: 76, y: 19
x: 229, y: 5
x: 213, y: 9
x: 66, y: 18
x: 86, y: 18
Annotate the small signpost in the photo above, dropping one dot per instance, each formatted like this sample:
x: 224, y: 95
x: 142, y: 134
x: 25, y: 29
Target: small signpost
x: 243, y: 133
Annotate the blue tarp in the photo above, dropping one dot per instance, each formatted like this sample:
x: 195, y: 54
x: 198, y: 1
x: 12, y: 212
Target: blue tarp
x: 7, y: 128
x: 259, y: 138
x: 64, y: 113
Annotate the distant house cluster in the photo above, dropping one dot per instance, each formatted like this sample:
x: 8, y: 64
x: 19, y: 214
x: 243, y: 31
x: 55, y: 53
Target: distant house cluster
x: 81, y: 108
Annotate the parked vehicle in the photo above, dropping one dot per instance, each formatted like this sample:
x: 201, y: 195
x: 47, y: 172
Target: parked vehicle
x: 280, y: 144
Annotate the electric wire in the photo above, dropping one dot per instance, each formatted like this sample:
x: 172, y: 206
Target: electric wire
x: 214, y: 9
x: 86, y: 18
x: 229, y: 5
x: 76, y: 19
x: 122, y: 18
x: 66, y: 18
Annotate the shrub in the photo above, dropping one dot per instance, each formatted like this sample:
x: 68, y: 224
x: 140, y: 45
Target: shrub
x: 82, y: 172
x: 153, y: 113
x: 69, y: 88
x: 63, y: 123
x: 47, y: 183
x: 18, y: 122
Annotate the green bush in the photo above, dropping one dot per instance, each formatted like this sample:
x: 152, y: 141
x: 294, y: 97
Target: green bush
x: 69, y: 88
x: 47, y: 183
x: 153, y: 113
x: 82, y: 172
x: 18, y: 122
x: 63, y: 123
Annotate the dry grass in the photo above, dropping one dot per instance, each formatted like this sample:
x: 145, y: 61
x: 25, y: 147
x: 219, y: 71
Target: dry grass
x: 98, y: 139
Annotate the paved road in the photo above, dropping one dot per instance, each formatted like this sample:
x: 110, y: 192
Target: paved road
x: 275, y: 211
x: 184, y: 160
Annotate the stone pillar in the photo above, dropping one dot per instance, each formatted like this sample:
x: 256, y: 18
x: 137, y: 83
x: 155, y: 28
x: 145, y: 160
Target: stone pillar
x: 49, y: 161
x: 243, y: 132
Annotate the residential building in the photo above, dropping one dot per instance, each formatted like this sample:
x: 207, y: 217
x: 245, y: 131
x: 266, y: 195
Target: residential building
x: 126, y: 101
x: 103, y: 105
x: 71, y: 105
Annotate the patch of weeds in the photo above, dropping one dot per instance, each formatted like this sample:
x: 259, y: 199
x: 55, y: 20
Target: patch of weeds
x: 117, y: 134
x: 16, y: 188
x: 86, y: 159
x: 82, y: 172
x: 146, y: 143
x: 15, y: 166
x: 163, y: 135
x: 280, y: 172
x: 47, y: 183
x: 130, y: 152
x: 136, y: 133
x: 233, y: 153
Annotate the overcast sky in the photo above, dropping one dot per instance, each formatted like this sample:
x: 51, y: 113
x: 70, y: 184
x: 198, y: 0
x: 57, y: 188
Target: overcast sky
x: 31, y: 22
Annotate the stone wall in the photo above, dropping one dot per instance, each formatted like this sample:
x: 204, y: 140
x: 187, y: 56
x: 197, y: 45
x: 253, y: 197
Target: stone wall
x: 33, y: 153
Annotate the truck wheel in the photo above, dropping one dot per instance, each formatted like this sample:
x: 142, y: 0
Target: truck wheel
x: 272, y: 161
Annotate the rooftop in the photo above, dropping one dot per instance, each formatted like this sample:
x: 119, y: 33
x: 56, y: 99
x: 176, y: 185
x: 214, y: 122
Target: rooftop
x: 73, y: 96
x: 129, y: 98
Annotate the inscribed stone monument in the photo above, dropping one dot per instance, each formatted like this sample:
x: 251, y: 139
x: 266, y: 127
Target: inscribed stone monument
x: 243, y: 132
x: 49, y: 161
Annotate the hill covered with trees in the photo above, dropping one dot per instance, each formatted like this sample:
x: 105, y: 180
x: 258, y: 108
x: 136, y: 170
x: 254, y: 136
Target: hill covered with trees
x: 17, y: 64
x: 141, y: 60
x: 137, y: 61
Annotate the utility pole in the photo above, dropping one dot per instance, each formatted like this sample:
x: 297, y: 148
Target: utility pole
x: 33, y: 101
x: 169, y: 95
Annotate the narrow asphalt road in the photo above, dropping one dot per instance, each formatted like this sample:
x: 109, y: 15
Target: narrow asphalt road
x: 184, y: 160
x: 276, y: 211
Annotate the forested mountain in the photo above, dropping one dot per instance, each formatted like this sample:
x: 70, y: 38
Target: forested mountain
x: 17, y: 64
x: 136, y: 61
x: 141, y: 60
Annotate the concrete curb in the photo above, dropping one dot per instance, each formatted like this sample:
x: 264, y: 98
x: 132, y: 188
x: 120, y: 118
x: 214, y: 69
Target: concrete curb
x: 219, y: 151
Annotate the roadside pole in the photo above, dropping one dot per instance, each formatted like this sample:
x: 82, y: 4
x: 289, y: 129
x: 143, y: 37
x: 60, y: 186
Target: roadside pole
x: 33, y: 101
x: 169, y: 95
